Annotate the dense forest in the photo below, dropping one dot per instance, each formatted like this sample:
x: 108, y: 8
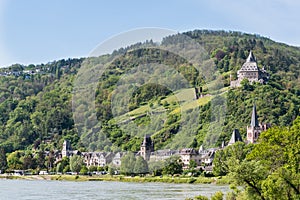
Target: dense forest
x: 36, y: 100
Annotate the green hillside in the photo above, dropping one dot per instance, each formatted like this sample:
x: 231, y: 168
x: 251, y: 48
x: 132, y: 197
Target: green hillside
x: 36, y: 104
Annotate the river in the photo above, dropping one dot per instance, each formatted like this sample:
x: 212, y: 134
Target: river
x: 66, y: 190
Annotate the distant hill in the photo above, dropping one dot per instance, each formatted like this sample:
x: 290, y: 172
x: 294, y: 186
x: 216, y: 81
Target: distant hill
x: 36, y: 101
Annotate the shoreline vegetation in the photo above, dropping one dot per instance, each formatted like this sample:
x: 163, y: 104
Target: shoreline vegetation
x: 120, y: 178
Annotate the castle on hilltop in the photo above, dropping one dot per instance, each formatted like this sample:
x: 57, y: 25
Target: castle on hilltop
x: 250, y: 71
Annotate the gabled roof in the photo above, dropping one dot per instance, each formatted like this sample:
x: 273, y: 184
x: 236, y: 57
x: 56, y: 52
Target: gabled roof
x: 235, y: 137
x: 254, y: 119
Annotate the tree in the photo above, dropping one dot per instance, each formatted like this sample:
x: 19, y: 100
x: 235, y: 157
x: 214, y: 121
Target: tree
x: 140, y: 166
x: 66, y: 169
x: 111, y: 170
x: 173, y: 165
x: 40, y: 159
x: 271, y: 170
x: 249, y: 174
x: 3, y: 161
x: 14, y: 161
x: 59, y: 168
x: 92, y: 168
x: 155, y: 167
x: 84, y: 170
x: 28, y: 161
x: 222, y: 161
x: 76, y: 163
x: 217, y: 196
x: 127, y: 164
x: 192, y: 166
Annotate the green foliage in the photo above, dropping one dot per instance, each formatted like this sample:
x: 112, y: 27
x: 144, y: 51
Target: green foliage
x: 92, y: 168
x: 59, y: 168
x: 111, y: 170
x: 224, y: 158
x: 217, y: 196
x: 36, y: 110
x: 140, y: 166
x: 76, y: 163
x: 172, y: 165
x: 13, y: 160
x: 3, y: 161
x: 271, y: 169
x: 128, y: 164
x: 155, y: 167
x: 84, y: 170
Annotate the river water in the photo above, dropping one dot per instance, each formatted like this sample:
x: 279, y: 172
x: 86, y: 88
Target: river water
x: 66, y: 190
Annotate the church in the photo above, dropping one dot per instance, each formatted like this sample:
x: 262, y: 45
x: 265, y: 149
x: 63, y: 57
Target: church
x: 253, y: 131
x: 250, y: 71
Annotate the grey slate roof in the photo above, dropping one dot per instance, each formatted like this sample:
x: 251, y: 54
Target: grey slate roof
x: 250, y: 64
x: 235, y: 137
x: 254, y: 120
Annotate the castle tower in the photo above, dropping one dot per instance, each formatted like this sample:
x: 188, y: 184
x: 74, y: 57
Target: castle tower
x: 254, y: 130
x: 66, y: 148
x: 147, y: 147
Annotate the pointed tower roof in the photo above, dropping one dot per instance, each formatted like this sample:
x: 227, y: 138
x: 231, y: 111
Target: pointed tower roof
x: 254, y: 120
x: 235, y: 137
x: 250, y: 64
x: 201, y: 148
x: 147, y: 140
x: 251, y: 57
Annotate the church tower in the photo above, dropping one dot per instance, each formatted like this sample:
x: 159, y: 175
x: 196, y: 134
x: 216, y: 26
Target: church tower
x: 254, y: 130
x: 66, y: 148
x: 147, y: 147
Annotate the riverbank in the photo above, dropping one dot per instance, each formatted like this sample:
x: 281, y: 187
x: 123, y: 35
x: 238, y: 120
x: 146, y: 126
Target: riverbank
x: 120, y: 178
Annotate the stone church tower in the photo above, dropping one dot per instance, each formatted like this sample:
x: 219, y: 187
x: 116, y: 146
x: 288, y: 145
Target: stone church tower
x: 66, y: 149
x: 147, y: 147
x: 254, y: 130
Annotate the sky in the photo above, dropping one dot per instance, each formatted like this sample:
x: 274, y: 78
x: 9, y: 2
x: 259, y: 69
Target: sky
x: 35, y: 31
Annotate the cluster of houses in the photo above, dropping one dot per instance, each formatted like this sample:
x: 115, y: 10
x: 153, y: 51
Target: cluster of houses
x: 21, y: 72
x: 202, y: 157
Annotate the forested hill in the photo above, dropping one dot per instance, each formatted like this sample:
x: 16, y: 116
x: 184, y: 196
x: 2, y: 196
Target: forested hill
x: 36, y: 100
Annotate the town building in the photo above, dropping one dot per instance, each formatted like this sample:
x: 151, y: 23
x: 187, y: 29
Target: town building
x: 250, y: 71
x: 189, y: 154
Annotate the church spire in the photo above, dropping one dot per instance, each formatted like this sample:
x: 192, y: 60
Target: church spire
x: 254, y: 120
x: 251, y: 57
